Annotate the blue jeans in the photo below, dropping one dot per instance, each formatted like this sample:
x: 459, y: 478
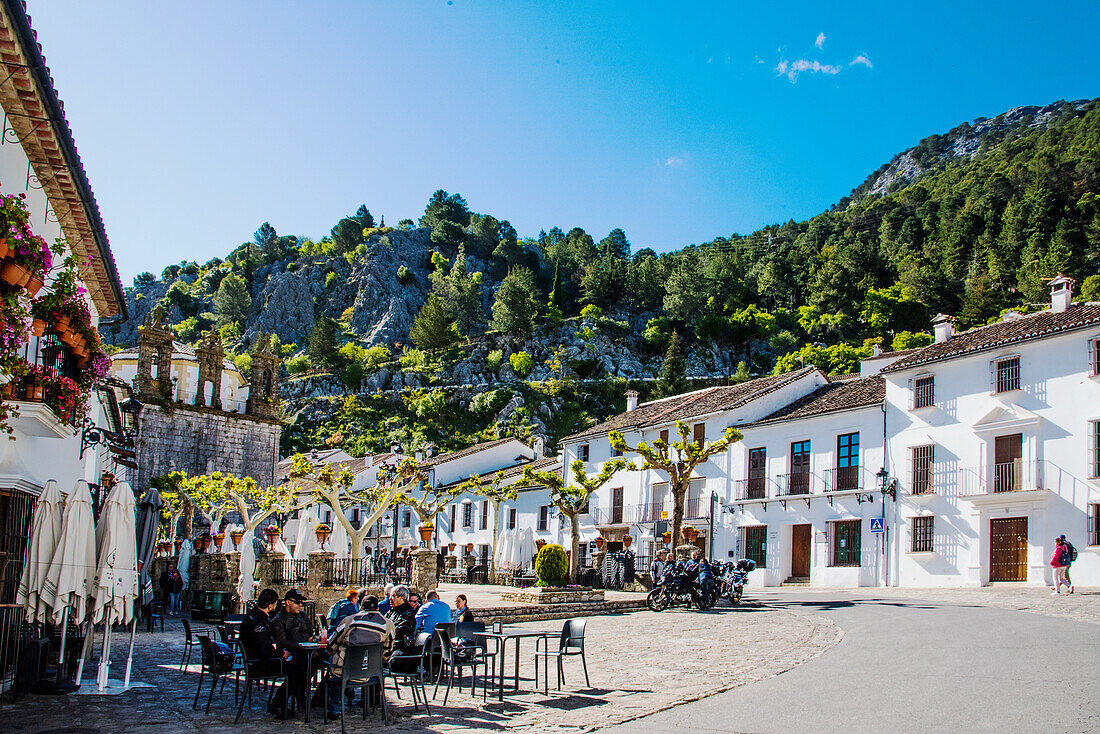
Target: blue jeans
x: 174, y: 603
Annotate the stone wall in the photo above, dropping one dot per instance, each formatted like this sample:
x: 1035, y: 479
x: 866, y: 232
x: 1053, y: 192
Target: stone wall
x: 201, y: 440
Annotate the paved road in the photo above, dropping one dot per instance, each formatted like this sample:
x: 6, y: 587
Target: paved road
x: 912, y: 666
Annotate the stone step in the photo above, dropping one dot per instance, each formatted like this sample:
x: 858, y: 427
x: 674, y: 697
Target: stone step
x: 797, y: 581
x: 539, y: 612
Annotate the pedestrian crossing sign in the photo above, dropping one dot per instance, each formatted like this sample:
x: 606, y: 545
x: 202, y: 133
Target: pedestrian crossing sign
x: 876, y: 524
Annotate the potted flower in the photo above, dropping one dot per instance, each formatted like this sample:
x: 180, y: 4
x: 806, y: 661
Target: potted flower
x: 627, y: 540
x: 451, y: 547
x: 469, y: 548
x: 686, y: 532
x: 425, y: 529
x: 202, y: 543
x: 693, y: 535
x: 219, y: 538
x: 179, y: 545
x: 27, y: 257
x: 600, y: 541
x: 666, y: 537
x: 272, y: 533
x: 539, y: 543
x: 322, y: 530
x: 236, y: 534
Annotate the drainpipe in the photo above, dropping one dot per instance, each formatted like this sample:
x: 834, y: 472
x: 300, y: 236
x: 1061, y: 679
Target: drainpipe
x: 713, y: 499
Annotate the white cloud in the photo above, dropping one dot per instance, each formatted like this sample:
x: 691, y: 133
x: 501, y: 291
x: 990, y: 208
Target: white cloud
x: 820, y: 40
x: 861, y: 59
x: 794, y: 68
x: 674, y: 161
x: 781, y: 68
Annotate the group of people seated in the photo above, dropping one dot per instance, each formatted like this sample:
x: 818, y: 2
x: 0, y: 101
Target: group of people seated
x: 283, y: 643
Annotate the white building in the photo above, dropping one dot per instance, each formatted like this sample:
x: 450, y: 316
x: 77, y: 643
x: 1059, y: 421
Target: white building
x: 993, y: 439
x: 185, y: 377
x: 39, y: 161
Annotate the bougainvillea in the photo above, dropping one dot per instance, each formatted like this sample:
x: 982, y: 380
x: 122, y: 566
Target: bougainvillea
x: 29, y: 250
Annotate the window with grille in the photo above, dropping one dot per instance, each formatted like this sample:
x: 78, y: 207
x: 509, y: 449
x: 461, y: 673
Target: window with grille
x: 756, y: 544
x: 1094, y: 356
x: 544, y: 517
x: 924, y: 391
x: 699, y: 433
x: 1094, y: 449
x: 920, y: 469
x: 407, y: 519
x: 920, y: 534
x: 846, y: 542
x: 512, y: 518
x: 485, y: 514
x: 1094, y: 523
x: 467, y: 515
x: 1007, y: 374
x: 582, y: 452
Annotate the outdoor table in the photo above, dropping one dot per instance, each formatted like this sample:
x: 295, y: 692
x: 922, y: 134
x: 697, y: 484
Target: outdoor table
x: 310, y: 648
x: 233, y: 627
x: 502, y: 639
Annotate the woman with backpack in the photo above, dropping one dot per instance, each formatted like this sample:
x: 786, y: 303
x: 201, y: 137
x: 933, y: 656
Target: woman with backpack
x: 1072, y: 557
x: 1060, y: 561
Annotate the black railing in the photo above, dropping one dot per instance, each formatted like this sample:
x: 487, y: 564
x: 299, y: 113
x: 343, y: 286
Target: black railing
x: 291, y: 572
x: 356, y: 573
x: 16, y: 511
x: 795, y: 483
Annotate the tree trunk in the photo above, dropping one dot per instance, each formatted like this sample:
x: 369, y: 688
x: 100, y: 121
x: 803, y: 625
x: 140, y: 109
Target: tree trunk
x: 574, y: 546
x: 496, y: 524
x: 679, y: 492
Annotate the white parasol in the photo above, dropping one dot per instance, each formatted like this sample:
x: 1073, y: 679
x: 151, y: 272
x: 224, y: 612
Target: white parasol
x: 117, y: 578
x: 502, y: 560
x: 72, y: 570
x: 35, y: 593
x: 525, y: 548
x: 248, y: 568
x: 307, y: 536
x: 338, y: 542
x: 183, y: 562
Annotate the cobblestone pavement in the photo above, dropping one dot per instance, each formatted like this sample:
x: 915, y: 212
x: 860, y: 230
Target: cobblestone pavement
x: 639, y: 663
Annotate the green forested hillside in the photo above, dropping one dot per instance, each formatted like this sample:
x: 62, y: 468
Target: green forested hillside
x: 967, y: 223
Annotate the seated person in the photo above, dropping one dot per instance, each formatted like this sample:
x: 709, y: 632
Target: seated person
x: 462, y: 611
x: 384, y: 604
x: 343, y: 608
x: 366, y: 627
x: 291, y: 627
x: 403, y: 618
x: 432, y: 612
x: 259, y: 646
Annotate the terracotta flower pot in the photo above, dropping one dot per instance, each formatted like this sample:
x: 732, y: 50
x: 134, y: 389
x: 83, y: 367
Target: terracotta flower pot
x: 540, y: 543
x: 236, y: 538
x: 34, y: 285
x: 627, y: 540
x: 63, y: 322
x: 451, y: 546
x: 38, y: 327
x: 666, y: 537
x: 693, y: 536
x: 322, y: 536
x: 179, y: 544
x: 686, y: 532
x: 219, y: 539
x: 5, y: 251
x: 14, y: 274
x: 600, y: 542
x: 469, y: 547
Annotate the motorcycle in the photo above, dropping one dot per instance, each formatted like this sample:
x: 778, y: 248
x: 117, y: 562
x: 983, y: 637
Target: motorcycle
x: 732, y: 580
x: 676, y: 588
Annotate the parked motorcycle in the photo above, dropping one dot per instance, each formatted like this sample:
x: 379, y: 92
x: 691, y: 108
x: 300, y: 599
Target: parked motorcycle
x: 732, y: 579
x: 677, y: 587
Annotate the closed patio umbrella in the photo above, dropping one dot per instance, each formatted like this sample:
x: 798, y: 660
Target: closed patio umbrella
x: 148, y: 520
x: 338, y: 542
x: 35, y: 595
x: 306, y: 540
x: 117, y: 578
x: 183, y: 562
x: 248, y: 569
x: 72, y: 570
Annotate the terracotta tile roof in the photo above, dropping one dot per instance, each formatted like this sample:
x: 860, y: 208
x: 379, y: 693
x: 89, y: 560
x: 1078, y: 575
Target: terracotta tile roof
x: 693, y: 404
x: 36, y: 117
x: 438, y: 459
x: 832, y: 398
x: 516, y: 470
x: 1021, y: 329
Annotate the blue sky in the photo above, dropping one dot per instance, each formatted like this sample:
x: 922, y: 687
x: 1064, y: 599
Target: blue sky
x: 678, y: 122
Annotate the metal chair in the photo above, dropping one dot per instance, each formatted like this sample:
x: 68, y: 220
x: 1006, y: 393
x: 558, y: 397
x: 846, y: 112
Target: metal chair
x: 188, y: 643
x: 453, y: 658
x: 156, y: 612
x: 254, y: 674
x: 362, y: 668
x: 217, y: 667
x: 570, y: 643
x: 413, y: 677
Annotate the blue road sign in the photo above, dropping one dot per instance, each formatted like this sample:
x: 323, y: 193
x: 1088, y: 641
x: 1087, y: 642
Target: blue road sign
x: 876, y: 524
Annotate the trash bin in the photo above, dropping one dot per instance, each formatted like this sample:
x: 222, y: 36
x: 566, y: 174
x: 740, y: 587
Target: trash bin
x: 215, y: 605
x: 198, y: 606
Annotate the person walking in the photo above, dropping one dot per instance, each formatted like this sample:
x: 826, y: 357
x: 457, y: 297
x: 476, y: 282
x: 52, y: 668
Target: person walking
x: 171, y: 584
x: 1071, y: 558
x: 1060, y: 561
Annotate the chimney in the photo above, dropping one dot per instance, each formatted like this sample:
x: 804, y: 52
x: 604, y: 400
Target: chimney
x: 1061, y: 293
x: 631, y: 400
x: 943, y: 327
x: 419, y: 455
x: 876, y: 350
x: 540, y: 447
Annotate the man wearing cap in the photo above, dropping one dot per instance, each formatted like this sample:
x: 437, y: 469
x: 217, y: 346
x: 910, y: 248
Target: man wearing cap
x: 290, y: 628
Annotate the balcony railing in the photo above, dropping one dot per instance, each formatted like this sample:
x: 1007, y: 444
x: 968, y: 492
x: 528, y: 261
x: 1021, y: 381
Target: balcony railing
x: 696, y: 508
x: 793, y: 484
x: 753, y: 488
x: 291, y: 571
x: 358, y: 573
x: 997, y: 478
x: 845, y: 477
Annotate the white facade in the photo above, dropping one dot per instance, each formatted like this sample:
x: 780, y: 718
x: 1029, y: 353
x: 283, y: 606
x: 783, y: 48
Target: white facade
x: 185, y: 377
x: 1019, y: 463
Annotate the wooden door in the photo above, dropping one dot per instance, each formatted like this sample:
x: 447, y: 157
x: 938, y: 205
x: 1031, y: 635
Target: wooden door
x: 1008, y: 453
x: 800, y: 551
x: 1008, y: 549
x: 617, y: 505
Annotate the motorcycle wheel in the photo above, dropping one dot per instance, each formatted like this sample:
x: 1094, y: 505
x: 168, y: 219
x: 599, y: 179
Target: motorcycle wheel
x: 656, y: 600
x: 735, y: 597
x: 697, y: 600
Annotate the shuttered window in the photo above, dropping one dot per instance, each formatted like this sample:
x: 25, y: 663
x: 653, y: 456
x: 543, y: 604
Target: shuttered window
x: 512, y: 518
x: 468, y: 514
x: 485, y: 514
x: 699, y: 433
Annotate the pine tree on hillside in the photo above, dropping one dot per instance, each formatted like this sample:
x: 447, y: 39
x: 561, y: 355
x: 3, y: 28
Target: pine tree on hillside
x: 322, y: 341
x: 433, y: 328
x: 674, y: 370
x: 366, y: 219
x: 231, y: 302
x: 516, y: 304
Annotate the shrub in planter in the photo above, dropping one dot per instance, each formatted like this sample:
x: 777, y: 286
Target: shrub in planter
x: 552, y: 566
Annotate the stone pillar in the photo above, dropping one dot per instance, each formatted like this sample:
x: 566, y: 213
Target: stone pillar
x: 265, y: 568
x: 319, y: 570
x: 469, y: 560
x: 450, y: 562
x: 424, y: 577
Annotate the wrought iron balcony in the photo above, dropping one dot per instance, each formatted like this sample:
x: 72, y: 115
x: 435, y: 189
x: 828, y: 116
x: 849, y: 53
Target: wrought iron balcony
x: 793, y: 484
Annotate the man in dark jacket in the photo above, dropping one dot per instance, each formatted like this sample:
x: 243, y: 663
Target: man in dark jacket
x: 403, y: 618
x: 291, y: 627
x: 259, y: 645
